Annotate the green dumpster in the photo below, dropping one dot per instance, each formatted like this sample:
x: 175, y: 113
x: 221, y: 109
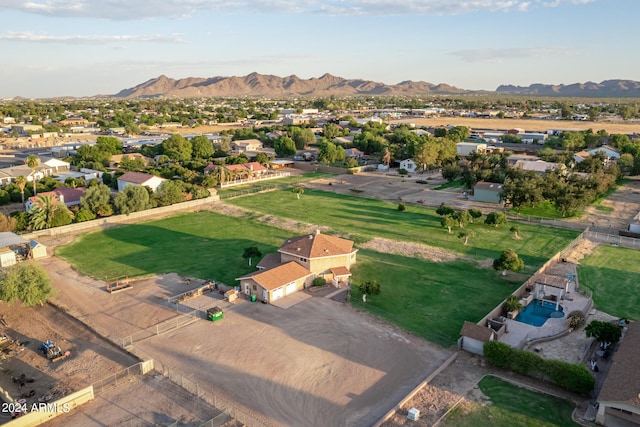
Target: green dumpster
x: 214, y: 314
x: 253, y: 298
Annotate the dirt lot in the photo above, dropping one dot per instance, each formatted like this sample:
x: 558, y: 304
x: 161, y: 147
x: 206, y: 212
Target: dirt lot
x: 92, y: 357
x: 623, y: 205
x: 528, y: 124
x: 317, y: 363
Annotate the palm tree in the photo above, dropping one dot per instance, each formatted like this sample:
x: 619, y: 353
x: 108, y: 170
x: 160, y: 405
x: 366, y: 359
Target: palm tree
x: 21, y: 182
x: 41, y: 215
x: 33, y: 161
x: 512, y: 304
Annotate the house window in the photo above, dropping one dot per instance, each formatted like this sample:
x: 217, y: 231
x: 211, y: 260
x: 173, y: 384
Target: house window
x: 303, y: 259
x: 254, y: 288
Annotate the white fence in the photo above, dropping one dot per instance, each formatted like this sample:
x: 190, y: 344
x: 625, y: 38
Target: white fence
x: 628, y: 242
x: 273, y: 175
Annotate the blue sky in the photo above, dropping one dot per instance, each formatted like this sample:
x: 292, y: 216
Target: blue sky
x: 89, y: 47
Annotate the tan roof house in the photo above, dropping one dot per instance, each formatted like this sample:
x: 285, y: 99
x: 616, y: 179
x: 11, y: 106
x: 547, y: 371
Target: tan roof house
x: 115, y: 160
x: 300, y: 260
x: 67, y: 195
x: 138, y: 178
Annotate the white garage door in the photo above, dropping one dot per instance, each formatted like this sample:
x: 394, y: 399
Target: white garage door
x: 277, y: 294
x: 291, y: 288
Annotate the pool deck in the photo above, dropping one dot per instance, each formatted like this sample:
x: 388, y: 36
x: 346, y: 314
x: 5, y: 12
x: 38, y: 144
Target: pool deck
x: 520, y: 334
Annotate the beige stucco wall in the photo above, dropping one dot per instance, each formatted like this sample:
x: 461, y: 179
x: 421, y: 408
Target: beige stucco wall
x: 321, y: 265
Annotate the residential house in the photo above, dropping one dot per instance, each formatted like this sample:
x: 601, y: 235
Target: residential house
x: 354, y: 153
x: 610, y: 153
x: 115, y: 160
x: 242, y: 170
x: 299, y: 260
x: 47, y: 167
x: 67, y: 195
x: 138, y: 178
x: 619, y: 398
x: 466, y: 148
x: 581, y: 156
x: 252, y: 145
x: 409, y: 165
x: 489, y: 192
x: 539, y: 166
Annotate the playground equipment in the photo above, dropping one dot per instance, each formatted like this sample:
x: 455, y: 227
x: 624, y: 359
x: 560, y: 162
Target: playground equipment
x: 53, y: 352
x: 117, y: 284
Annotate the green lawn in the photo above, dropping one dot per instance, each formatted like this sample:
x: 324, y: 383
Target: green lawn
x: 512, y: 406
x: 204, y: 244
x: 278, y: 183
x: 613, y: 274
x: 364, y: 219
x: 429, y: 299
x: 543, y: 210
x: 456, y: 183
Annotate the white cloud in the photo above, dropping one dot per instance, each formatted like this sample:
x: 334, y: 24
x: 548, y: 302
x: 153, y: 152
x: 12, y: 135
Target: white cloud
x: 141, y: 9
x: 489, y: 55
x: 88, y: 39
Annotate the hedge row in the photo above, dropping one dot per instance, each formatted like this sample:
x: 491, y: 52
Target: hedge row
x: 573, y: 377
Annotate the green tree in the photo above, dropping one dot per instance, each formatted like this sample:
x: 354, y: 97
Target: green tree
x: 330, y: 153
x: 84, y: 215
x: 369, y: 288
x: 297, y: 191
x: 201, y: 147
x: 250, y: 253
x: 109, y: 145
x: 32, y: 162
x: 43, y: 212
x: 170, y: 192
x: 133, y: 198
x: 512, y: 304
x: 451, y: 171
x: 603, y: 332
x: 463, y: 218
x: 177, y: 148
x: 508, y: 260
x: 285, y: 146
x: 21, y: 182
x: 496, y: 218
x: 96, y: 198
x: 302, y: 137
x: 331, y: 130
x: 515, y: 229
x: 448, y: 222
x: 465, y: 235
x: 444, y: 210
x: 27, y: 282
x: 475, y: 213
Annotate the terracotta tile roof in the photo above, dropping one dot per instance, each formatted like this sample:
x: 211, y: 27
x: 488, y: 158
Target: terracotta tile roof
x: 340, y: 271
x: 279, y: 276
x: 316, y: 245
x: 476, y: 332
x: 623, y: 380
x: 135, y: 177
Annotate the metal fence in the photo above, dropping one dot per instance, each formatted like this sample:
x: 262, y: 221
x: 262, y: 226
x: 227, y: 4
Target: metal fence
x: 162, y: 328
x: 628, y: 242
x: 229, y: 409
x: 117, y: 378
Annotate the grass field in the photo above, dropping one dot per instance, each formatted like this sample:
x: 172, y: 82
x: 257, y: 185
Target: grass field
x: 274, y: 183
x: 203, y: 244
x: 613, y: 274
x: 364, y: 219
x: 512, y: 406
x: 430, y: 299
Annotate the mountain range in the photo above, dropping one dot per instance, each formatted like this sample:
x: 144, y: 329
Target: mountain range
x: 256, y: 84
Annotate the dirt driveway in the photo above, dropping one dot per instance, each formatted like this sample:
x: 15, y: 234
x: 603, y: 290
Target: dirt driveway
x: 317, y: 363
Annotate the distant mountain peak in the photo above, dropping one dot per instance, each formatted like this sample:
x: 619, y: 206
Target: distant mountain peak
x: 604, y: 89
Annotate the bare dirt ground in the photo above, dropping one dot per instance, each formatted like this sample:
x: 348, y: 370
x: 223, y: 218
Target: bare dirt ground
x: 621, y: 207
x: 317, y: 363
x: 92, y: 357
x: 527, y: 124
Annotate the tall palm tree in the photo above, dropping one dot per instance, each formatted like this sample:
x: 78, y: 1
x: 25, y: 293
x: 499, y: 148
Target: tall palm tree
x: 41, y: 215
x: 33, y: 161
x: 21, y: 182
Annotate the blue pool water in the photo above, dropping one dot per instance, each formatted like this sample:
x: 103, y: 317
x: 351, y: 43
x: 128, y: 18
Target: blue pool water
x: 538, y: 311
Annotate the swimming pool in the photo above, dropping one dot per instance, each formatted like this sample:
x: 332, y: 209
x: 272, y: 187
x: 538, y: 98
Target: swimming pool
x: 538, y: 311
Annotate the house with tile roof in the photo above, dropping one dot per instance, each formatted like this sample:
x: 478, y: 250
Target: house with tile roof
x: 67, y: 195
x: 139, y: 178
x: 619, y: 398
x: 298, y: 261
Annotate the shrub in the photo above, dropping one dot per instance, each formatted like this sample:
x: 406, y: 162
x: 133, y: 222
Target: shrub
x: 575, y: 319
x: 526, y: 363
x: 85, y: 215
x: 319, y: 281
x: 402, y: 171
x: 402, y: 207
x: 576, y: 378
x: 498, y: 354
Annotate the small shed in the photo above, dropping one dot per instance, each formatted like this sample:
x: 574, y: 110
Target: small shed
x: 473, y: 337
x: 7, y: 257
x: 38, y: 250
